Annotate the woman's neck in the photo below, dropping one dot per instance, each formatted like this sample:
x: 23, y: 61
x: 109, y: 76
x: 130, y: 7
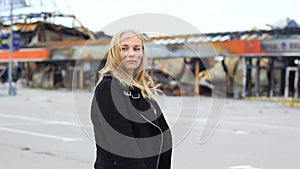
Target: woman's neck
x: 125, y: 76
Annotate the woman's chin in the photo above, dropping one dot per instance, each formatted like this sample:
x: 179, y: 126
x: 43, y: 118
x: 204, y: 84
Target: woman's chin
x: 131, y: 67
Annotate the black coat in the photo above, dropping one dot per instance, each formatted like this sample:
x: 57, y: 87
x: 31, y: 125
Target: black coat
x: 130, y: 131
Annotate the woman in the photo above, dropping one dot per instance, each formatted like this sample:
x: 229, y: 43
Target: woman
x: 130, y: 129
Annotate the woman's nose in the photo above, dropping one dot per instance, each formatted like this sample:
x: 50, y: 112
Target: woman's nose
x: 131, y: 52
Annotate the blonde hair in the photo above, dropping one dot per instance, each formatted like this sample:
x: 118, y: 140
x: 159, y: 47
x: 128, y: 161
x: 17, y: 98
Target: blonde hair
x: 141, y: 78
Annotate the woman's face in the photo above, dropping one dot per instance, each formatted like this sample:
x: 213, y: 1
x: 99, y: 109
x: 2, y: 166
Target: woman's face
x: 131, y: 51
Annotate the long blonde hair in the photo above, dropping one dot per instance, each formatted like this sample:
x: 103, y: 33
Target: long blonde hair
x: 141, y: 78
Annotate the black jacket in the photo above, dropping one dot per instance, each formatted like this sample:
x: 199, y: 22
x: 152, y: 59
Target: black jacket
x: 130, y: 131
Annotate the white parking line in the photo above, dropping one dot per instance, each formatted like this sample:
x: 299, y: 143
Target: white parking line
x: 40, y: 120
x: 201, y: 122
x: 272, y: 126
x: 40, y: 134
x: 242, y: 167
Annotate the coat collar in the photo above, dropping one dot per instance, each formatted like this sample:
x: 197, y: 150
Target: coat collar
x: 135, y: 94
x: 125, y: 87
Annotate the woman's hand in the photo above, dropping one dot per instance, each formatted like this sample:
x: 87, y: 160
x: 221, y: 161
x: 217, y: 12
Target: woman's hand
x: 158, y: 86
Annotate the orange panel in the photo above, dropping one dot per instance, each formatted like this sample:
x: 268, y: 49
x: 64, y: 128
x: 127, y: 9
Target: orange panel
x: 239, y: 46
x: 26, y: 55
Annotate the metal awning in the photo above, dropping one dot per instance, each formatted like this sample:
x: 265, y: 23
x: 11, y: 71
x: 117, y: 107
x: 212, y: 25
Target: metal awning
x: 182, y: 50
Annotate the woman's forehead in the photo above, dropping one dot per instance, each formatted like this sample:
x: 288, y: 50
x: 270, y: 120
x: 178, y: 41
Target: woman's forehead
x: 130, y: 37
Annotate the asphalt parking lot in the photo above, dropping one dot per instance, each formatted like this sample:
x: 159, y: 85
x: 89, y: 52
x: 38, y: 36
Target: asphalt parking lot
x: 51, y: 129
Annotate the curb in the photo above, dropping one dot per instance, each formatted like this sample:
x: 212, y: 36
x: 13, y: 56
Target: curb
x: 287, y: 102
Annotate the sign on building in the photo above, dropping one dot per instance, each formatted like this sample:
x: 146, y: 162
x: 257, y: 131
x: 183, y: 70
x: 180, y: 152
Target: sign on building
x: 5, y: 41
x: 281, y: 45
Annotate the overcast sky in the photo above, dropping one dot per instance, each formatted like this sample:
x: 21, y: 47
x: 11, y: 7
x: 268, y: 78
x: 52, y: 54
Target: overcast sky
x: 206, y: 15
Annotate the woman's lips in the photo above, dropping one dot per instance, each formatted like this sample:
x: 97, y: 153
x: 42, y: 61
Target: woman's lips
x: 131, y: 61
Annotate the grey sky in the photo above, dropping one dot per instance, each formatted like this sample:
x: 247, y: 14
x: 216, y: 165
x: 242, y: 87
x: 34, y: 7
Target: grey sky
x: 206, y: 15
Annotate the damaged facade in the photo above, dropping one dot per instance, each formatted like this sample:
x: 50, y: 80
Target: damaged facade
x: 248, y: 63
x: 47, y: 53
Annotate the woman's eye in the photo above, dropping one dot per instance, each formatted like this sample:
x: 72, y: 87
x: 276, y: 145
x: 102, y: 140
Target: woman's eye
x: 123, y: 49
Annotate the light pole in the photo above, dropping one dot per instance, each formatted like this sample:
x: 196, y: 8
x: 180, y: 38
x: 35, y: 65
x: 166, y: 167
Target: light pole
x: 11, y: 89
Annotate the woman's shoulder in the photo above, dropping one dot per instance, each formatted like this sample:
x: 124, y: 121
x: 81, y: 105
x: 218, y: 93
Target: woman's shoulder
x: 104, y: 83
x: 108, y: 83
